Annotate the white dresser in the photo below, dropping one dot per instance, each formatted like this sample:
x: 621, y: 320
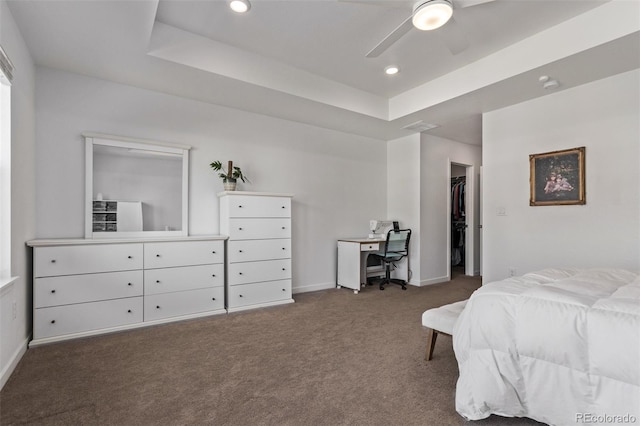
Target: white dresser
x: 86, y: 287
x: 259, y: 248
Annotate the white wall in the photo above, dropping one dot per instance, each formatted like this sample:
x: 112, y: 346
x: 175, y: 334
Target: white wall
x: 338, y: 180
x: 604, y: 117
x: 436, y: 156
x: 403, y: 197
x: 16, y: 329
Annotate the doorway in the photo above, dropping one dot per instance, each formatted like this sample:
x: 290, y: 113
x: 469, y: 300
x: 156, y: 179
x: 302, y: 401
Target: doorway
x: 460, y: 220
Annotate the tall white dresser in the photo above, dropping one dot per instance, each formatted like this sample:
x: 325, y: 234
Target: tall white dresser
x: 258, y: 249
x: 84, y: 287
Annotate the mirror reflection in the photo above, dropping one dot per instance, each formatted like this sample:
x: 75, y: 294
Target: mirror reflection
x: 136, y: 188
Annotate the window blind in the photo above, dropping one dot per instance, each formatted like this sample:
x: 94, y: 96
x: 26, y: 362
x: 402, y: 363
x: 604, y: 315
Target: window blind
x: 5, y: 66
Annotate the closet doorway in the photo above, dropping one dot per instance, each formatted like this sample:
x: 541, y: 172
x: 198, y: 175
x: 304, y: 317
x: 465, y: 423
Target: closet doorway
x: 460, y: 213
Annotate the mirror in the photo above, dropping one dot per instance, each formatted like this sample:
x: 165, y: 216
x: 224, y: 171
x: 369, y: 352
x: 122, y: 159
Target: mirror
x: 135, y: 188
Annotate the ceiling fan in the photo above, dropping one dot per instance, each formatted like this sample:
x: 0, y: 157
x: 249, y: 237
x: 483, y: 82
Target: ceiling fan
x: 428, y: 15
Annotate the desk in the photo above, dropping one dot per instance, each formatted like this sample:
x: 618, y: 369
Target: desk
x: 352, y: 261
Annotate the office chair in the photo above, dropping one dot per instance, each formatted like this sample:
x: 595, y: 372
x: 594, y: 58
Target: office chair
x: 395, y: 248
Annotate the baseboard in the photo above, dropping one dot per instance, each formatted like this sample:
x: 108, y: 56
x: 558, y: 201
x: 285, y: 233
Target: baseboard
x: 313, y: 287
x: 260, y: 305
x: 326, y: 286
x: 15, y: 359
x: 434, y: 281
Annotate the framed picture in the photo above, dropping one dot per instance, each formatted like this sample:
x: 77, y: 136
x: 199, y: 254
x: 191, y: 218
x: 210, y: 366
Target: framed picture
x: 557, y: 178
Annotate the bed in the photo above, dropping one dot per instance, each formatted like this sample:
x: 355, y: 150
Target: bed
x: 561, y: 346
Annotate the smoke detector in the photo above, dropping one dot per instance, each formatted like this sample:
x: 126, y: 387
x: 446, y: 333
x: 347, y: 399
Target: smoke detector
x: 548, y: 82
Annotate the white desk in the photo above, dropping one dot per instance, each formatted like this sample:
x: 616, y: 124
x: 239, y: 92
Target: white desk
x: 352, y: 261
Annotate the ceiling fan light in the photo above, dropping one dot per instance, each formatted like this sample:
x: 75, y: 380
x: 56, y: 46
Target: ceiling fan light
x: 431, y: 14
x: 240, y: 6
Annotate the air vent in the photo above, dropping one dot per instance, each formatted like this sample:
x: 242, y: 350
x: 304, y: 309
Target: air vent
x: 420, y: 126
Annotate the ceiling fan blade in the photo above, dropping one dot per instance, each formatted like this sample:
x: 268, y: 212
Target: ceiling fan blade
x: 389, y: 40
x: 453, y: 37
x: 468, y: 3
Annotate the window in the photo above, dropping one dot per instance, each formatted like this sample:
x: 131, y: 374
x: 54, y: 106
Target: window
x: 6, y: 70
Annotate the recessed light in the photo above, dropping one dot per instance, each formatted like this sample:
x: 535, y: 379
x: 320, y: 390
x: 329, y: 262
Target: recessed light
x: 240, y: 6
x: 391, y: 70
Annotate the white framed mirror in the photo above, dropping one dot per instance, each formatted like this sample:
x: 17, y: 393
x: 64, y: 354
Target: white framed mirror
x: 135, y: 188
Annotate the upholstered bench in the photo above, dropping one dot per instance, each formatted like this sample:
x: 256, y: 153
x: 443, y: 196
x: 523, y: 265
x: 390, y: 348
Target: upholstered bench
x: 440, y: 320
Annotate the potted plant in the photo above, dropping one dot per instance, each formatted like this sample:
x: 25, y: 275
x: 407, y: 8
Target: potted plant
x: 229, y: 176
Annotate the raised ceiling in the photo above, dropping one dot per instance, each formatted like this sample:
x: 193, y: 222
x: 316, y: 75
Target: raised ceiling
x: 305, y: 60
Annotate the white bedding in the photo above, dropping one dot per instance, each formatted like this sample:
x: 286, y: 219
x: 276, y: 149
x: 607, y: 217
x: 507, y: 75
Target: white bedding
x: 561, y: 346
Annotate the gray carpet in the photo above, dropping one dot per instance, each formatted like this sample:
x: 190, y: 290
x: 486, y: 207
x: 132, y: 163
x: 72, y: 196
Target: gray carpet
x: 331, y: 358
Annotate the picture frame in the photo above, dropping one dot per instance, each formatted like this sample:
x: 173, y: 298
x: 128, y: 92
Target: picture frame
x: 557, y: 178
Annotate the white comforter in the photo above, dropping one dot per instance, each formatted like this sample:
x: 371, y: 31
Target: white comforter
x: 561, y: 346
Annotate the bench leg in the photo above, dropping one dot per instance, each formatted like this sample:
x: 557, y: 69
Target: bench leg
x: 432, y: 335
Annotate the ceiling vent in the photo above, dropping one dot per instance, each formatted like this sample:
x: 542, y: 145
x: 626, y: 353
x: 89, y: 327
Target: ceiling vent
x: 420, y: 126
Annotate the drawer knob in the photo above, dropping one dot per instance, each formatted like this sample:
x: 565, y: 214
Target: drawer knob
x: 283, y: 207
x: 53, y: 261
x: 283, y: 248
x: 129, y: 257
x: 240, y: 295
x: 129, y: 284
x: 157, y: 255
x: 240, y: 251
x: 213, y: 298
x: 284, y: 289
x: 53, y: 321
x: 158, y: 281
x: 240, y: 273
x: 157, y: 306
x: 239, y: 229
x: 214, y: 252
x: 239, y: 207
x: 129, y: 311
x: 53, y: 291
x: 283, y: 269
x: 213, y: 275
x: 283, y: 227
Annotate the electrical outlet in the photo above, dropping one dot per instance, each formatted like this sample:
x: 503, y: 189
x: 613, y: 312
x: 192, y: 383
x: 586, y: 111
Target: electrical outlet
x: 512, y: 271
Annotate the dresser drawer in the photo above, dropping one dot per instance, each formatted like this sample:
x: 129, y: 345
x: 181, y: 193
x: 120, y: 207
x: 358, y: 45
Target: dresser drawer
x: 268, y: 270
x: 65, y: 290
x: 248, y: 229
x: 256, y: 293
x: 183, y: 253
x: 248, y: 250
x: 70, y: 260
x: 248, y: 206
x: 160, y: 306
x: 167, y: 280
x: 68, y: 319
